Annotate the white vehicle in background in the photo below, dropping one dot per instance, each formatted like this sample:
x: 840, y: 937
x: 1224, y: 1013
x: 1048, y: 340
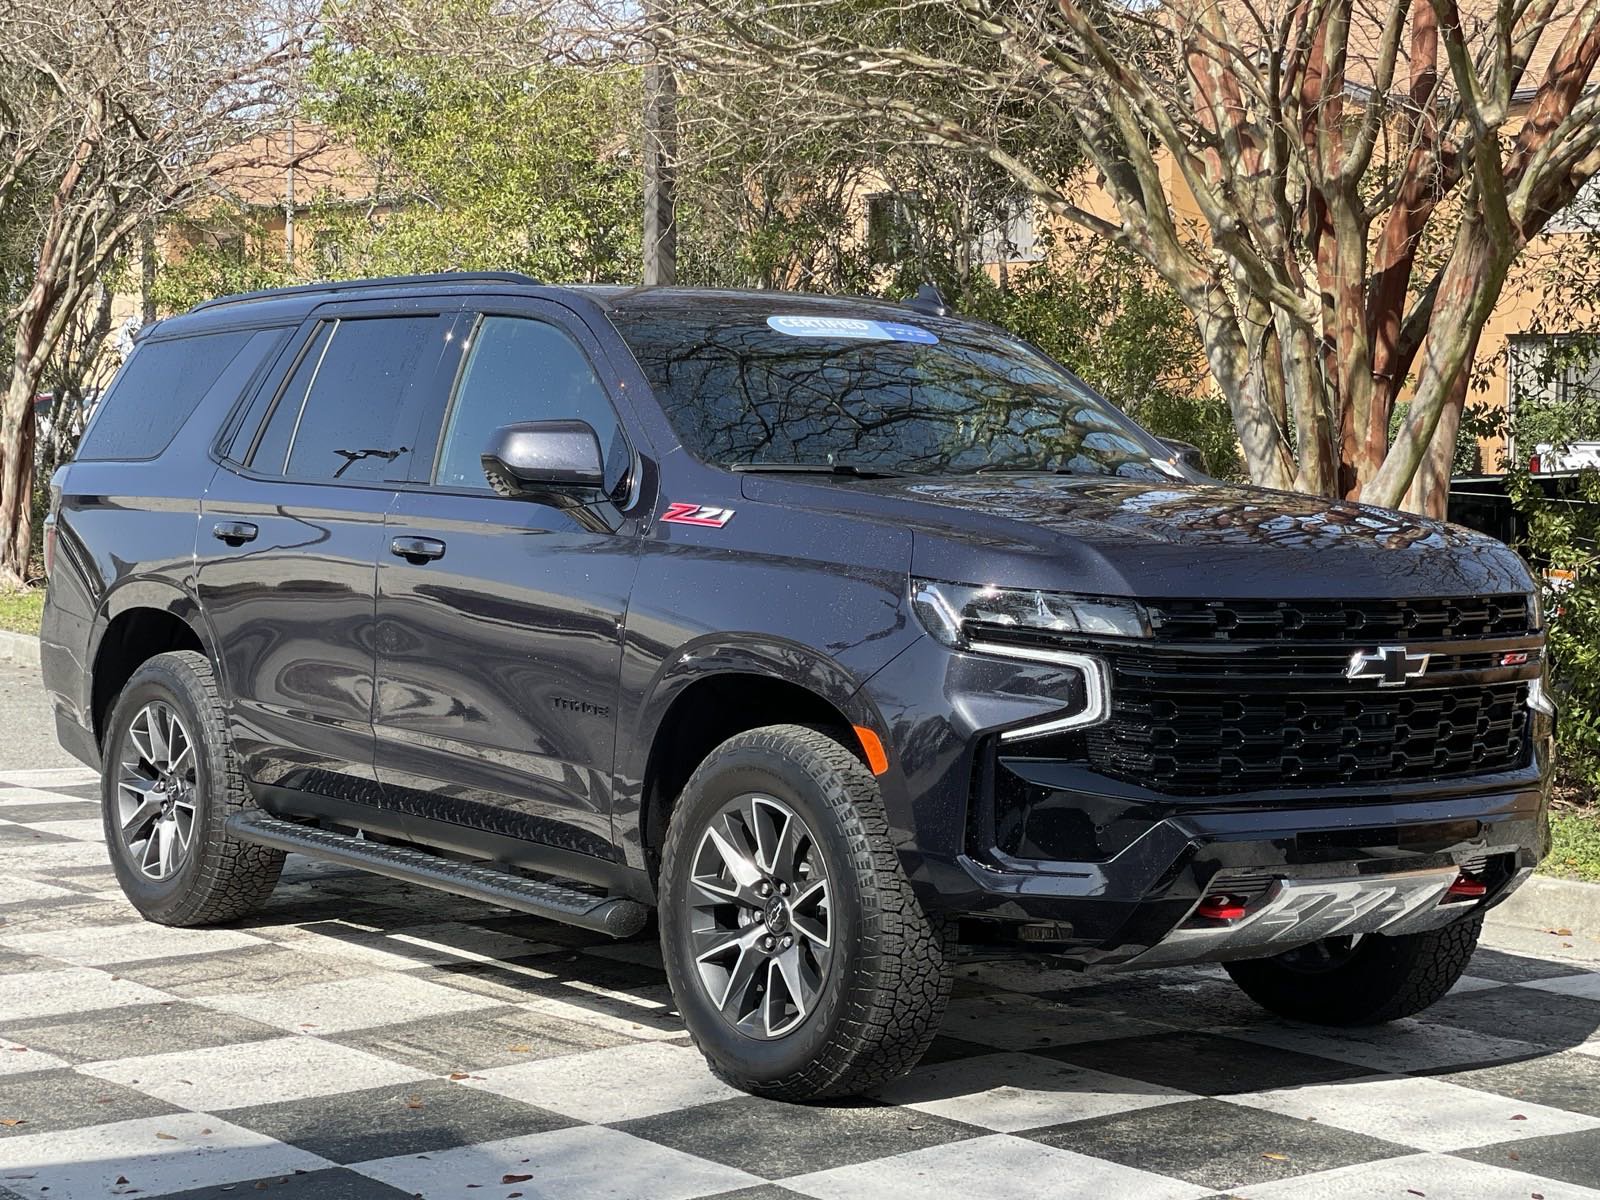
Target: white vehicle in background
x: 1546, y: 459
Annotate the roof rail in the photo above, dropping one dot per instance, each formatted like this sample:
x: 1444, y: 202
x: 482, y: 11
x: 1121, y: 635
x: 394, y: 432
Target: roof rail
x: 351, y: 285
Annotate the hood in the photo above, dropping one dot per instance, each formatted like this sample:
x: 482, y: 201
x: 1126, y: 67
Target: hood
x: 1162, y: 539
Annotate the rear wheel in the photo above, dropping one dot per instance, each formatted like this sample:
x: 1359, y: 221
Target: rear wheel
x: 169, y: 781
x: 802, y: 963
x: 1363, y: 980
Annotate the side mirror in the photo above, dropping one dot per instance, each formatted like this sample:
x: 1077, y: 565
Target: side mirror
x: 552, y: 462
x: 1186, y: 453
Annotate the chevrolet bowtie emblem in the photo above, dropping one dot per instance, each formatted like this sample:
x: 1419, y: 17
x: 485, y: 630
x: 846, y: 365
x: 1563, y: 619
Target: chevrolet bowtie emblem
x: 1391, y: 666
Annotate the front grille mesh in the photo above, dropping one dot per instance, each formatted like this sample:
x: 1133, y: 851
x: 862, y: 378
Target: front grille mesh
x: 1235, y: 696
x: 1207, y: 743
x: 1364, y: 621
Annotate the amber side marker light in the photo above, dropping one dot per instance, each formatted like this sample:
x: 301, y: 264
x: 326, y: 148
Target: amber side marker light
x: 872, y: 746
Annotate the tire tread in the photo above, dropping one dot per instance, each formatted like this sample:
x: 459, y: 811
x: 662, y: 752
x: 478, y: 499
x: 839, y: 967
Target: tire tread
x: 233, y: 878
x: 1388, y: 978
x: 895, y: 1002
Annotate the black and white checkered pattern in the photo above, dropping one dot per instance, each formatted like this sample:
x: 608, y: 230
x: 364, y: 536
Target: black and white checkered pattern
x: 362, y: 1039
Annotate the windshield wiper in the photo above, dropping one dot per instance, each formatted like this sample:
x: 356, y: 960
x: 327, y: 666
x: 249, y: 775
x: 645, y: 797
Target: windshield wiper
x: 851, y: 470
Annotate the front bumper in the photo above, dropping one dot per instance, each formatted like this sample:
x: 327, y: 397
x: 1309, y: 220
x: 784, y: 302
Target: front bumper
x: 1127, y: 868
x: 1145, y: 897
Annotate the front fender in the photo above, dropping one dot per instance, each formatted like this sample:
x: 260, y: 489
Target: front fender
x: 738, y: 654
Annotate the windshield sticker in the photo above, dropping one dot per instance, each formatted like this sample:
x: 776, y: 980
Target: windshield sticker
x: 851, y: 327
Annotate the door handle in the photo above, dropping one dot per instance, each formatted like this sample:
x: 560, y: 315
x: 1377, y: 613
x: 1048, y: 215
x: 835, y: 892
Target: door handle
x: 417, y: 550
x: 235, y: 533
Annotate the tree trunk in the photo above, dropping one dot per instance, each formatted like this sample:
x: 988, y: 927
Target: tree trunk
x: 16, y: 479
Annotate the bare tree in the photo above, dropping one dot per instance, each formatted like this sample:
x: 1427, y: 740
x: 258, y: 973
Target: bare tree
x: 1337, y: 189
x: 110, y: 115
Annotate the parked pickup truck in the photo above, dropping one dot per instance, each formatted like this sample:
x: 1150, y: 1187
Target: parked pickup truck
x: 850, y: 637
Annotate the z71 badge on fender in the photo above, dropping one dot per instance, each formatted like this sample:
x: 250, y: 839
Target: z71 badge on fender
x: 682, y: 512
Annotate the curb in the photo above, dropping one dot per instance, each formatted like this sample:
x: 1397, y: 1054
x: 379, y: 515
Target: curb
x: 19, y: 649
x: 1544, y: 903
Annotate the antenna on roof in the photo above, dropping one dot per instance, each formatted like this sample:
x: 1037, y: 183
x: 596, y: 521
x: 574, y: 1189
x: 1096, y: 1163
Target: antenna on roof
x: 928, y: 300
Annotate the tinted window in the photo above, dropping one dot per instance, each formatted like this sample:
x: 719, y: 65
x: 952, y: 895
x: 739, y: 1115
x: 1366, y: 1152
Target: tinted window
x: 880, y: 390
x: 162, y: 384
x: 523, y: 370
x: 336, y: 417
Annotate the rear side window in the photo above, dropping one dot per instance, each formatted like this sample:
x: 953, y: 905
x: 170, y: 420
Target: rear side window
x: 163, y: 383
x: 336, y: 417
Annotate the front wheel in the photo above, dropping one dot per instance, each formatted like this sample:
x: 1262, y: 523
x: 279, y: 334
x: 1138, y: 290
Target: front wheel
x: 1360, y: 981
x: 802, y: 963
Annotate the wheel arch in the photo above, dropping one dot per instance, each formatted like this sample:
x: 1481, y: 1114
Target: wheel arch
x: 712, y: 692
x: 137, y: 621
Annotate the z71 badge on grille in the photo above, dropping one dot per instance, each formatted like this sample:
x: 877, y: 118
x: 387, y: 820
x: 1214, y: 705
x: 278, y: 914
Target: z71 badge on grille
x: 1391, y: 666
x: 684, y: 513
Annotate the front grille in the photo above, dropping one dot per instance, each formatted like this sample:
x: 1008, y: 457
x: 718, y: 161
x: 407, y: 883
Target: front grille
x: 1252, y: 695
x: 1212, y: 742
x: 1274, y: 621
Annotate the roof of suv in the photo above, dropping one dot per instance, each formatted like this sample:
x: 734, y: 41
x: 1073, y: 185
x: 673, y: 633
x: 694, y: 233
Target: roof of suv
x: 289, y: 304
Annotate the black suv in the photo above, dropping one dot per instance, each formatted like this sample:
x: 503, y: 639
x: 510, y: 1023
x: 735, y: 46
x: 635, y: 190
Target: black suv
x: 850, y: 636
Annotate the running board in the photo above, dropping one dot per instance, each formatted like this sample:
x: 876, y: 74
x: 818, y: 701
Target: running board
x: 615, y: 915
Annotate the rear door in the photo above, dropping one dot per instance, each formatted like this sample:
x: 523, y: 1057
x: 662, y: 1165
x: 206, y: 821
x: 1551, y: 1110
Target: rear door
x: 289, y: 537
x: 498, y: 657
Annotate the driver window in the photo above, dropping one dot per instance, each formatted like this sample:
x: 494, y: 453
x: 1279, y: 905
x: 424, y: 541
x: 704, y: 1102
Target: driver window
x: 519, y: 369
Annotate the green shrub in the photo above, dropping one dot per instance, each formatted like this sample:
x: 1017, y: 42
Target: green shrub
x: 1561, y: 517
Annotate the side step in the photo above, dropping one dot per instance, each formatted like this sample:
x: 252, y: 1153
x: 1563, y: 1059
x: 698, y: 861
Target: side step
x: 616, y: 915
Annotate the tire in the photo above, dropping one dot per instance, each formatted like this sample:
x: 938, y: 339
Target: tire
x: 878, y: 1002
x: 209, y: 877
x: 1379, y: 979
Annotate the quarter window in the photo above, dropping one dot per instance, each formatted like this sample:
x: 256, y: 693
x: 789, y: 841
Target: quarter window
x: 162, y: 384
x: 337, y: 417
x: 517, y: 370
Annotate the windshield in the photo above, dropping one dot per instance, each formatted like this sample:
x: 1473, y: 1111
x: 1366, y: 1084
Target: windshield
x: 779, y: 387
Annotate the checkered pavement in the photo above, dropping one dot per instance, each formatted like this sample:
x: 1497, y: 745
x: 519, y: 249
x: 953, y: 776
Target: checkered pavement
x: 363, y: 1039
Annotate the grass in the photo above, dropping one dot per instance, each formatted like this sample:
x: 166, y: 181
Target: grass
x: 20, y: 611
x: 1575, y: 853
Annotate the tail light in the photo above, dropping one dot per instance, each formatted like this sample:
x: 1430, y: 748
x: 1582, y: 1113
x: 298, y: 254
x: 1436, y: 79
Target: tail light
x: 1533, y: 464
x: 50, y: 525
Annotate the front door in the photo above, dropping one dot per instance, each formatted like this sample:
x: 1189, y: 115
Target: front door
x: 500, y: 620
x: 290, y: 532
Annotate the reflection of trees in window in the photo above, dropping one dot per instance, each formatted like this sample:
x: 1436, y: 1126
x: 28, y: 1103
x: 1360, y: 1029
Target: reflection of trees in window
x: 738, y: 392
x: 1555, y: 390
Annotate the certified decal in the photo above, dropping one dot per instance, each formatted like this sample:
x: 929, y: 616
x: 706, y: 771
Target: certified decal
x: 683, y: 512
x: 851, y: 327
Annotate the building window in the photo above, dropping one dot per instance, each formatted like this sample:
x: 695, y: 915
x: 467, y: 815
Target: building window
x: 327, y: 251
x: 891, y: 225
x: 229, y: 246
x: 1554, y: 382
x: 1582, y: 215
x: 1015, y: 239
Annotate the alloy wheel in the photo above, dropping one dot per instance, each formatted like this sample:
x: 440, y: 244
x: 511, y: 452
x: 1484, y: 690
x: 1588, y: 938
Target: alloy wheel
x: 156, y: 791
x: 760, y: 915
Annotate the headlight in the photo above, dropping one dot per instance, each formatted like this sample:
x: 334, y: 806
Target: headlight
x: 1018, y: 623
x: 960, y: 615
